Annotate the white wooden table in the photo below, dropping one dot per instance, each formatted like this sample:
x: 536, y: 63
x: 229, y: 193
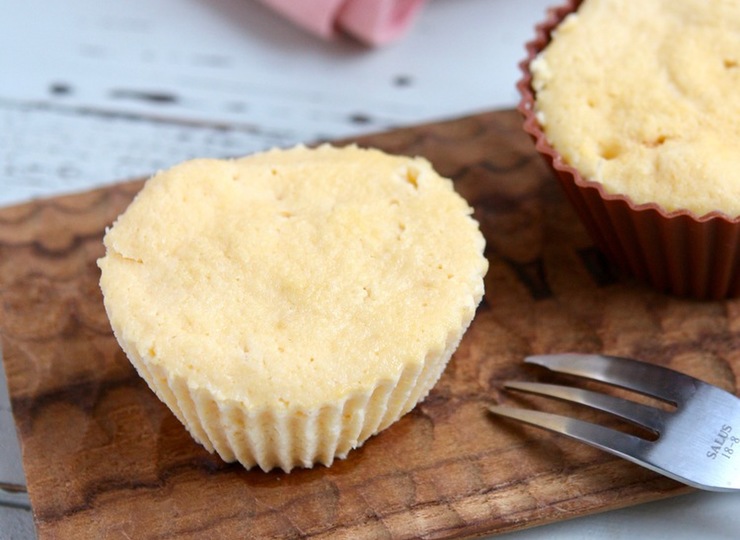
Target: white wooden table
x: 93, y: 91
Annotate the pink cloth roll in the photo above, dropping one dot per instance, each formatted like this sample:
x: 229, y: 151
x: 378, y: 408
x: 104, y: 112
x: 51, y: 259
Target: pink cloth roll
x: 374, y: 22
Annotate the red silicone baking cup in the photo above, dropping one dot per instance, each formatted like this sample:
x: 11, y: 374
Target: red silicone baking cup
x: 676, y: 252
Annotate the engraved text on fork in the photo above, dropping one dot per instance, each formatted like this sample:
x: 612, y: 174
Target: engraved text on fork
x: 723, y: 444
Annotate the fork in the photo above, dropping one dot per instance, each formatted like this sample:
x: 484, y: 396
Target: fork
x: 698, y: 443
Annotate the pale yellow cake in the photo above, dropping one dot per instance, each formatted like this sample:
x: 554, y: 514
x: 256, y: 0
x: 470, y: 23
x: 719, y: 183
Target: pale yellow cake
x: 643, y: 96
x: 288, y: 305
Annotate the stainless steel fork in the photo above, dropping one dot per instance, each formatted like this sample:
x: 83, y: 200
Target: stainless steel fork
x: 698, y: 443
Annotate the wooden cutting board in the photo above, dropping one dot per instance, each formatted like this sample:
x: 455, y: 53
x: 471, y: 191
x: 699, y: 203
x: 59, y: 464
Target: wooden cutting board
x: 104, y: 459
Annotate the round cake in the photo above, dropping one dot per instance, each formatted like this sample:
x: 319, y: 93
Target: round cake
x: 634, y: 107
x: 288, y: 305
x: 643, y: 98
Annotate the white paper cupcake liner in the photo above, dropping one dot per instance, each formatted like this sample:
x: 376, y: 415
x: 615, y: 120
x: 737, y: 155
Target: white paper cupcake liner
x: 292, y: 437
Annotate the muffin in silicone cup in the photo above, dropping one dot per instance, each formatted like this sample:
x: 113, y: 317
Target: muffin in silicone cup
x: 675, y: 251
x: 289, y: 305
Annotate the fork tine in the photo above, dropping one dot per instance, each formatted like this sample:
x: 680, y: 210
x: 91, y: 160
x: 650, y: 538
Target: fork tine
x: 637, y: 413
x: 648, y: 379
x: 615, y: 442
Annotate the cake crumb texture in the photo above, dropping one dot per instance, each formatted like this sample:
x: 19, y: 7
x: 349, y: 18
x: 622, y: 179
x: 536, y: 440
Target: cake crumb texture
x: 643, y: 98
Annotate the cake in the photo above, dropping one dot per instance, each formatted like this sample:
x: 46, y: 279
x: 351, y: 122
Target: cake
x: 634, y: 104
x: 642, y: 97
x: 288, y: 305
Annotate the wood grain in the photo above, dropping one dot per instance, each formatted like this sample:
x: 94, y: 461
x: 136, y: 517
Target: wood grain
x: 105, y: 459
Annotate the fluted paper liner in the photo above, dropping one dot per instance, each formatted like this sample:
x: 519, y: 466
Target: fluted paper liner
x: 675, y: 252
x: 292, y: 437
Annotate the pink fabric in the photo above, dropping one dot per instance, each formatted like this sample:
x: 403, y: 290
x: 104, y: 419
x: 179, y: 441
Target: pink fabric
x: 375, y: 22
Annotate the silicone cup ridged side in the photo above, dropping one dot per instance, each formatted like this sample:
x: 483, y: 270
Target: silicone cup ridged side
x: 292, y: 437
x: 677, y: 252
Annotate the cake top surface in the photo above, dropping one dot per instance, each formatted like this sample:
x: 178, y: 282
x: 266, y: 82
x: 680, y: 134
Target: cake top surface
x: 643, y: 98
x: 293, y: 276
